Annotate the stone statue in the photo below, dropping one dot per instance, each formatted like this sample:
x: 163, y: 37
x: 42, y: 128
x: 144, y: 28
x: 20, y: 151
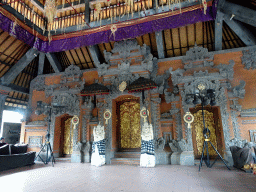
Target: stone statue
x: 147, y: 157
x: 98, y: 146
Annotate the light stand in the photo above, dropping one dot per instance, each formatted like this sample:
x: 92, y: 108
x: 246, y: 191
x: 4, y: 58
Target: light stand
x: 47, y: 146
x: 203, y: 96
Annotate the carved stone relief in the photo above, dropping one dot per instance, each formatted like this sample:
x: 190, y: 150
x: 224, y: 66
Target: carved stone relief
x: 38, y: 83
x: 248, y: 112
x: 197, y: 54
x: 72, y: 72
x: 65, y: 103
x: 211, y: 80
x: 248, y: 59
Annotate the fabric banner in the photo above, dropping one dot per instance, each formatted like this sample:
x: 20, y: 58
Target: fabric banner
x: 70, y: 41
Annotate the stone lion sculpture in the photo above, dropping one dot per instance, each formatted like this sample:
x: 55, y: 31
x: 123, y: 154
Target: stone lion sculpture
x: 98, y: 146
x: 147, y: 157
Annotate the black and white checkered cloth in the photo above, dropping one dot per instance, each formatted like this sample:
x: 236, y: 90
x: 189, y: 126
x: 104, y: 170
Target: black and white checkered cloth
x: 147, y: 147
x: 101, y: 146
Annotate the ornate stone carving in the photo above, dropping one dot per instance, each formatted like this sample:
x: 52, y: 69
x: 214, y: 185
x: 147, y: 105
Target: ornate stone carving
x: 147, y: 63
x: 73, y: 72
x: 69, y: 103
x: 170, y: 97
x: 179, y: 145
x: 155, y: 111
x: 226, y: 71
x: 253, y: 135
x: 196, y: 54
x: 123, y: 50
x: 102, y: 69
x: 84, y: 129
x: 235, y: 105
x: 248, y: 112
x: 237, y: 142
x: 248, y: 59
x: 235, y: 124
x: 239, y: 90
x: 160, y: 143
x: 122, y: 47
x: 38, y: 83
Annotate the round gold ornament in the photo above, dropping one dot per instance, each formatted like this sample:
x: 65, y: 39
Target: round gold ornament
x: 144, y: 113
x: 188, y: 118
x: 107, y: 115
x: 75, y: 120
x: 122, y: 86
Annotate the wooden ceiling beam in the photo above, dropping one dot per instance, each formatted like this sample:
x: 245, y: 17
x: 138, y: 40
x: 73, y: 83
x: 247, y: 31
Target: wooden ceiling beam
x: 218, y: 31
x: 159, y: 44
x: 240, y: 13
x: 18, y: 88
x: 41, y: 63
x: 38, y: 5
x: 74, y: 5
x: 13, y: 72
x: 54, y: 62
x: 95, y: 54
x: 242, y: 32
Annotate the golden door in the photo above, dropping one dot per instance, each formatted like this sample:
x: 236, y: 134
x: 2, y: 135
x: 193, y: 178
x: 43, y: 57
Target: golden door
x: 67, y: 145
x: 130, y: 125
x: 198, y: 132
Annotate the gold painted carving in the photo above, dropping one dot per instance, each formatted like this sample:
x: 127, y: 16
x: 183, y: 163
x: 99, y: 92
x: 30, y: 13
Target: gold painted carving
x: 122, y: 86
x: 67, y: 148
x: 130, y: 125
x: 198, y: 124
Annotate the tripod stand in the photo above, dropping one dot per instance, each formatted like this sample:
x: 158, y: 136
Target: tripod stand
x: 47, y: 146
x: 207, y: 133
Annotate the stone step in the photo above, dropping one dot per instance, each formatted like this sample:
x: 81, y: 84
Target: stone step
x: 63, y: 159
x: 127, y: 155
x: 125, y: 161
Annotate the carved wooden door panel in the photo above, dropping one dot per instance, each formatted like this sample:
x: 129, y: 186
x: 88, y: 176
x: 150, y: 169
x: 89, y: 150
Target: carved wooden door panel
x: 68, y: 139
x: 130, y: 134
x: 198, y: 138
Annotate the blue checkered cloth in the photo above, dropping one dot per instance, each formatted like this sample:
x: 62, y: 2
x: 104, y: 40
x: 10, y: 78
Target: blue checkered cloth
x: 101, y: 147
x: 147, y: 147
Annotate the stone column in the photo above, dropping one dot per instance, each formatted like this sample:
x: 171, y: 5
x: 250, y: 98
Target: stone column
x: 85, y: 144
x: 108, y: 133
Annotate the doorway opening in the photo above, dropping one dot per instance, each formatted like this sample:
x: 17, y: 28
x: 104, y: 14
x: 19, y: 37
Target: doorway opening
x: 213, y: 123
x: 128, y: 124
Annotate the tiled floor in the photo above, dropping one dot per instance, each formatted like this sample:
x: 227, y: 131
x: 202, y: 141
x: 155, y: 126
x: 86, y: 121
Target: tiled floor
x: 75, y: 177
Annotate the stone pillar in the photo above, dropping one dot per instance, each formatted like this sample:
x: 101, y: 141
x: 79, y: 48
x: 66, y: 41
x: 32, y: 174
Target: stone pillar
x: 108, y: 133
x: 85, y: 142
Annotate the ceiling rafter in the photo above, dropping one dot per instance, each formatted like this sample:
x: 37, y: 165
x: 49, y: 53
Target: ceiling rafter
x: 12, y: 73
x: 239, y: 12
x: 244, y: 34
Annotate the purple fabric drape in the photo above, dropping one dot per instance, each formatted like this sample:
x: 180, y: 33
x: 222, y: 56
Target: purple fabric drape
x: 132, y: 31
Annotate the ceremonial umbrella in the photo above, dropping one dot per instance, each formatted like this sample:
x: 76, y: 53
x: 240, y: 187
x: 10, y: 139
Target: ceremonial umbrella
x: 141, y: 84
x: 93, y: 90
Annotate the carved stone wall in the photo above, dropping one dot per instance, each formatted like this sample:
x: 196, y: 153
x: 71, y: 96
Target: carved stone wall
x: 195, y: 59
